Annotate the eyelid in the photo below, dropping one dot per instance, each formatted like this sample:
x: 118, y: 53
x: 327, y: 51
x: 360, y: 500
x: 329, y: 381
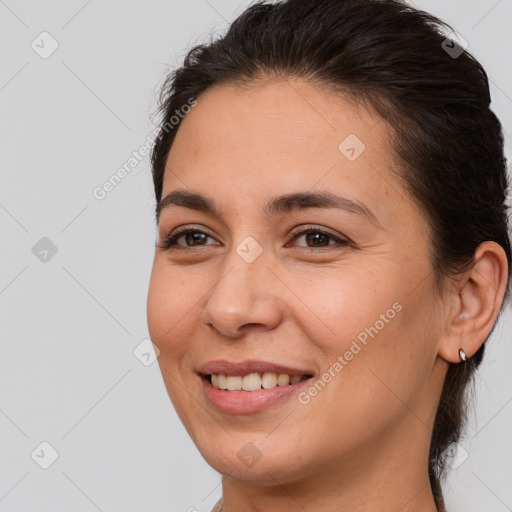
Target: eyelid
x: 295, y: 233
x: 304, y: 228
x: 178, y: 232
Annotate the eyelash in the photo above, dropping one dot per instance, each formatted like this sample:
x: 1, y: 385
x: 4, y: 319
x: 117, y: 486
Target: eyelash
x: 169, y: 242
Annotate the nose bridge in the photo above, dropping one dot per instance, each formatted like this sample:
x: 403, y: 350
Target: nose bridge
x: 243, y: 294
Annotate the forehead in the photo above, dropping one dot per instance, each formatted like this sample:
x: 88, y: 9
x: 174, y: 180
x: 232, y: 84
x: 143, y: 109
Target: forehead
x: 275, y: 136
x: 279, y: 114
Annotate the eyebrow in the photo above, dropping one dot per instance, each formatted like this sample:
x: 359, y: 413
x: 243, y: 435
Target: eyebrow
x: 278, y: 205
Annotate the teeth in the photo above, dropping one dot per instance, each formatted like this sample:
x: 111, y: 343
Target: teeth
x: 294, y: 379
x: 269, y: 381
x: 251, y: 382
x: 233, y: 383
x: 254, y: 381
x: 283, y: 379
x: 221, y: 381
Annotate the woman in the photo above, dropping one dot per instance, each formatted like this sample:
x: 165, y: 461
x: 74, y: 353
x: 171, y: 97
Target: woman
x: 332, y: 254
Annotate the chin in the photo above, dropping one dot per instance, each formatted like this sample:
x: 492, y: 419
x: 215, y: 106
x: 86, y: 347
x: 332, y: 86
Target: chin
x: 253, y: 457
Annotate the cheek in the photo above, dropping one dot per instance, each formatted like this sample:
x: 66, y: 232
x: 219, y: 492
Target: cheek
x: 170, y: 320
x: 376, y: 339
x: 344, y: 303
x: 169, y: 312
x: 159, y: 309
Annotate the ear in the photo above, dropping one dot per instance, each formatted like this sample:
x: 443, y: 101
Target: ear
x: 475, y: 303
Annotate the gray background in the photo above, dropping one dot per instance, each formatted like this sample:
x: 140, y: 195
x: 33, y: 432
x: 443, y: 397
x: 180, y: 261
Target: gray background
x: 70, y: 323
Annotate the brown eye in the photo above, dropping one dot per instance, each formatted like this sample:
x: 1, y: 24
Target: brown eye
x: 191, y: 238
x: 194, y: 238
x: 316, y: 238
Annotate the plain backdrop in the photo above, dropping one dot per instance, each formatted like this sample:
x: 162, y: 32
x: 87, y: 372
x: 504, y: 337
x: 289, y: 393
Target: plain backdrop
x: 75, y: 269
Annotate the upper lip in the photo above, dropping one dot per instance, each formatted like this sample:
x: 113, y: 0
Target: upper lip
x: 246, y: 367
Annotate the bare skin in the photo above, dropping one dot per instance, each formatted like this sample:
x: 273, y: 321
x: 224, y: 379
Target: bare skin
x: 360, y: 443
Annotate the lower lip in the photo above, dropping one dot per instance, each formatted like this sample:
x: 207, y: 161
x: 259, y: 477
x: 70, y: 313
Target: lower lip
x: 248, y: 402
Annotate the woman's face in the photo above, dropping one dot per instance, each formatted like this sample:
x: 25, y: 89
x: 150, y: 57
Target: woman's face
x: 306, y: 259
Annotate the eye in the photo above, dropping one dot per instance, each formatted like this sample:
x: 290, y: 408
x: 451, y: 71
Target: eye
x: 191, y: 238
x: 318, y: 238
x: 314, y: 235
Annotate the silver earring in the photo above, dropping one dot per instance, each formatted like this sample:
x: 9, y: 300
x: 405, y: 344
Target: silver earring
x: 462, y: 355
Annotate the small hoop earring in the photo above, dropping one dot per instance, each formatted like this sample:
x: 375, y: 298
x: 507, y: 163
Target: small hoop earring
x: 462, y: 355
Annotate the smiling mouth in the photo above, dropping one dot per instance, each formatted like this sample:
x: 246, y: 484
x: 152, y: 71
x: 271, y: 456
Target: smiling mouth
x: 253, y: 381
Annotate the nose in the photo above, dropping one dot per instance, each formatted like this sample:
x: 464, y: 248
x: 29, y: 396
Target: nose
x: 244, y: 297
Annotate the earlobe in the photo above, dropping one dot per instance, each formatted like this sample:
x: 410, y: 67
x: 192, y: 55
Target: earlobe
x: 477, y: 301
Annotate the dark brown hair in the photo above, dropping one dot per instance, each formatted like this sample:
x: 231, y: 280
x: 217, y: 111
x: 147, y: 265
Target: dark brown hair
x: 434, y: 95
